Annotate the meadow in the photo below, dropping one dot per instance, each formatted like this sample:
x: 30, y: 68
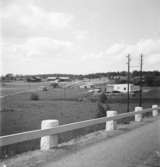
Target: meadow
x: 12, y: 88
x: 19, y: 113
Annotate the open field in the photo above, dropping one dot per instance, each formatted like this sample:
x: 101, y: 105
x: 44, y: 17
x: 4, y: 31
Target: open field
x: 19, y: 113
x: 12, y: 88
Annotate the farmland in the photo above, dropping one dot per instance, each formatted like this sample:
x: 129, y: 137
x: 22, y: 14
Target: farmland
x: 19, y: 113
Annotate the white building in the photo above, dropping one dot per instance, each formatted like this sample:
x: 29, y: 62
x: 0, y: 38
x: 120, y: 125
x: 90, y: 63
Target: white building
x: 58, y: 79
x: 123, y: 88
x: 64, y: 79
x: 51, y: 78
x: 86, y: 86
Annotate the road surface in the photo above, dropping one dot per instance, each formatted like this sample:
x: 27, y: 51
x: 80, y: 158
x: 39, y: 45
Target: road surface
x: 127, y: 150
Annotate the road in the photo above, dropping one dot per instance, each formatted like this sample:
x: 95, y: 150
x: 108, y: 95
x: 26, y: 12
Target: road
x: 126, y: 150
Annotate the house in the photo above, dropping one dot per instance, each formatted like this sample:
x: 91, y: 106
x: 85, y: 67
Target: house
x: 64, y: 79
x: 51, y: 78
x: 123, y: 88
x: 33, y: 79
x: 87, y: 86
x: 58, y: 79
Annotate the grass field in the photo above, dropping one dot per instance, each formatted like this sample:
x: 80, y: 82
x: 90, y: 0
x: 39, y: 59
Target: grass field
x: 11, y: 88
x: 19, y: 113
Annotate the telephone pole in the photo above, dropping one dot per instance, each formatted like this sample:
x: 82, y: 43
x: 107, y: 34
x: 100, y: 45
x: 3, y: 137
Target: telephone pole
x: 128, y: 82
x: 141, y: 78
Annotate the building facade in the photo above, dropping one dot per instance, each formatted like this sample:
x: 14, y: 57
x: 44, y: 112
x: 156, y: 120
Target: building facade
x: 123, y: 88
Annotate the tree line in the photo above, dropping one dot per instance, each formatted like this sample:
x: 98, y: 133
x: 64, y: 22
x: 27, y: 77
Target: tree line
x: 149, y: 78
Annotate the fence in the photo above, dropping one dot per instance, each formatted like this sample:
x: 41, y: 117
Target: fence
x: 50, y: 134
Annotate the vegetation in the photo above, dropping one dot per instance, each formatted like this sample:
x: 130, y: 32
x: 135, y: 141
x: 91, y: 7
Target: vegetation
x: 34, y: 96
x: 102, y: 105
x: 19, y: 113
x: 45, y: 88
x: 54, y: 85
x: 150, y: 78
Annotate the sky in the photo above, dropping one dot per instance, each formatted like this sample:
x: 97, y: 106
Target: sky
x: 78, y: 36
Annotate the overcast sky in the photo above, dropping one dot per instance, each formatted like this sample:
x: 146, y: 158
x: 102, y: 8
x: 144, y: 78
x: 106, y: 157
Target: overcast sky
x: 78, y: 36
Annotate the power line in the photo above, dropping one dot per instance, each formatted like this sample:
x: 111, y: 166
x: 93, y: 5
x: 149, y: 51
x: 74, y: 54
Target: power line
x: 141, y: 77
x: 134, y: 66
x: 128, y: 96
x: 128, y: 81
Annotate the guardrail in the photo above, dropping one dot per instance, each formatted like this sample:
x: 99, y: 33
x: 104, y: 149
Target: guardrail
x: 51, y: 133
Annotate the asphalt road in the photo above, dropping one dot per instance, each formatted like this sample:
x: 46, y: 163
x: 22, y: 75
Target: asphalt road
x: 126, y: 150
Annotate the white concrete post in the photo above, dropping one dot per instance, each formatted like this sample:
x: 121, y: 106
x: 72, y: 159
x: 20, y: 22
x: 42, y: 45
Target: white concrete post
x: 138, y: 117
x: 111, y: 125
x: 48, y: 142
x: 155, y: 111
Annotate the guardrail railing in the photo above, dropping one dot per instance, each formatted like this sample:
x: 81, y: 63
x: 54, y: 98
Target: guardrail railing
x: 52, y: 133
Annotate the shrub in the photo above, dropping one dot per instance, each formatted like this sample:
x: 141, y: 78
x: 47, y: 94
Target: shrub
x: 34, y: 96
x: 102, y: 105
x: 54, y: 85
x: 45, y: 89
x: 102, y: 98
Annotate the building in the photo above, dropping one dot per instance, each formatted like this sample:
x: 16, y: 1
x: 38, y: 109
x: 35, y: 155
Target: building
x: 123, y: 88
x: 86, y: 86
x: 33, y: 79
x: 64, y: 79
x: 51, y: 78
x: 58, y: 79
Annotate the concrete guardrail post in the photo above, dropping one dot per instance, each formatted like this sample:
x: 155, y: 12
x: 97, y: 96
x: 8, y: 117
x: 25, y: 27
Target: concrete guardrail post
x: 48, y: 142
x: 111, y: 125
x: 138, y: 117
x: 155, y: 110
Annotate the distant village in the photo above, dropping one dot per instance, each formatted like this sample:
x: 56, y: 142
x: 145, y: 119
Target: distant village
x: 112, y: 81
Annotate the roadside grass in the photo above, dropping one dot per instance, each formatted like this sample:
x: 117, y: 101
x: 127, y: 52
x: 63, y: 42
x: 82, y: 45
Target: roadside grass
x: 19, y: 113
x: 10, y: 88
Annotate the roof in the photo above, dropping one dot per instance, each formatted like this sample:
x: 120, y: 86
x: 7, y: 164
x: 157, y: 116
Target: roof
x: 121, y: 84
x: 52, y: 78
x: 64, y: 77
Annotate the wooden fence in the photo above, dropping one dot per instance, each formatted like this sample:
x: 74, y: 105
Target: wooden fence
x: 29, y: 135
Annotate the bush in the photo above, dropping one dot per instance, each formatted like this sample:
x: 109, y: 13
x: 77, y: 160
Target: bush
x: 102, y: 98
x: 102, y: 105
x: 45, y: 89
x: 34, y: 96
x: 54, y: 85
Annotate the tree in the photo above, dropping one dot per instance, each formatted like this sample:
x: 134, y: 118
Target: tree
x: 102, y: 105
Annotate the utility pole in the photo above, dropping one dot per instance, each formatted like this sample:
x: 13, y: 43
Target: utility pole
x: 128, y: 81
x: 64, y: 92
x: 140, y: 92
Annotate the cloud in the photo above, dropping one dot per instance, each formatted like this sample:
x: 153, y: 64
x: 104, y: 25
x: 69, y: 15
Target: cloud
x: 80, y: 34
x: 47, y: 55
x: 114, y: 57
x: 20, y: 20
x: 41, y: 38
x: 33, y: 36
x: 36, y: 48
x: 36, y: 55
x: 115, y: 49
